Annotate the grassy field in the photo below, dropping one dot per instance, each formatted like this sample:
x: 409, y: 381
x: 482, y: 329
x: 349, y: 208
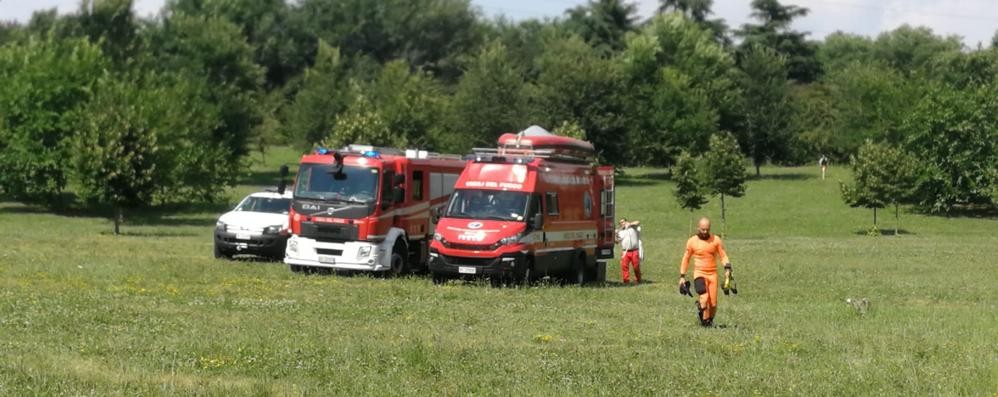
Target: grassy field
x: 84, y: 312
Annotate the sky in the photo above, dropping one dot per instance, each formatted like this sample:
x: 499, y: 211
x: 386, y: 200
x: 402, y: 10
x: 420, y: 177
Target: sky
x: 974, y: 20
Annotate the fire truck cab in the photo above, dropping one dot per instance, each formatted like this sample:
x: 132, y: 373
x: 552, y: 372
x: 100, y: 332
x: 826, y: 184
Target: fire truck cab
x: 536, y: 206
x: 367, y: 209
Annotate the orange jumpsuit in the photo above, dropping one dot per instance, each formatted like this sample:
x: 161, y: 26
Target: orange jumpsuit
x: 704, y: 253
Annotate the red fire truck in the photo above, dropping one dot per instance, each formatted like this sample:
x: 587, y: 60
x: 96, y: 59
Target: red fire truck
x: 366, y: 208
x: 536, y: 206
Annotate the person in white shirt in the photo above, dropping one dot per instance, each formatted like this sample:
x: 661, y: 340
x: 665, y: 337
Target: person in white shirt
x: 630, y: 247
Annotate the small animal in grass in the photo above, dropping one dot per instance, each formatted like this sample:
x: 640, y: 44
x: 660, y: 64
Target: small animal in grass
x: 862, y: 305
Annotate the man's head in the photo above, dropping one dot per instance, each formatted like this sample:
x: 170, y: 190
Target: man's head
x: 623, y: 222
x: 703, y: 228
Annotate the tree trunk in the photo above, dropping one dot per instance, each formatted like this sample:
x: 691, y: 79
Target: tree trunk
x: 757, y: 172
x: 117, y: 219
x: 691, y: 222
x: 897, y: 219
x: 724, y: 220
x: 874, y: 217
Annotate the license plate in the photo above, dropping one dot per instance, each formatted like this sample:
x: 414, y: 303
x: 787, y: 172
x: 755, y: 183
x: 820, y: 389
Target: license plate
x: 327, y: 259
x: 242, y: 236
x: 466, y: 270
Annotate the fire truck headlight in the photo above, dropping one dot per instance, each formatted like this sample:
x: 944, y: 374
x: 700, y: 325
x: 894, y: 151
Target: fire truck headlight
x: 439, y: 237
x: 364, y: 252
x: 293, y: 246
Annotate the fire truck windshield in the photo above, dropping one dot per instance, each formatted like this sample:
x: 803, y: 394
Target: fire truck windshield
x: 353, y: 184
x: 488, y: 204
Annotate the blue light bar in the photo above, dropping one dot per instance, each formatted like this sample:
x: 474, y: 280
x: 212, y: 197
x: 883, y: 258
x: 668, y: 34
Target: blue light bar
x: 372, y: 153
x: 322, y: 150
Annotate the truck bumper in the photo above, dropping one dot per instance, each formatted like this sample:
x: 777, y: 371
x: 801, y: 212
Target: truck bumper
x: 466, y: 267
x: 351, y: 255
x: 272, y: 245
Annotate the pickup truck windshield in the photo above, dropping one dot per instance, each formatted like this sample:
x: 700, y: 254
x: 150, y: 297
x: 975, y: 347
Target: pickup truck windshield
x: 488, y: 204
x: 353, y: 184
x: 265, y: 204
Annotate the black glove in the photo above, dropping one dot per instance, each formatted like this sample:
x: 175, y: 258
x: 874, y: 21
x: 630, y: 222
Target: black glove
x: 684, y: 289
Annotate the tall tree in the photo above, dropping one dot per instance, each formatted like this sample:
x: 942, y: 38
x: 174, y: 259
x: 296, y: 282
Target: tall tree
x: 428, y: 34
x: 489, y: 100
x: 954, y: 134
x: 774, y: 31
x: 698, y: 11
x: 280, y: 44
x: 690, y: 192
x: 116, y: 148
x: 213, y: 51
x: 111, y: 23
x: 45, y: 84
x: 325, y: 93
x: 680, y: 89
x: 603, y: 23
x: 400, y: 108
x: 882, y: 175
x: 724, y: 173
x: 576, y: 83
x: 767, y: 114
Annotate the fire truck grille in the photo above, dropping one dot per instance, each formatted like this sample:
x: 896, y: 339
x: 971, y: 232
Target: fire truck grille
x: 327, y: 251
x: 462, y: 261
x: 469, y: 247
x: 329, y: 232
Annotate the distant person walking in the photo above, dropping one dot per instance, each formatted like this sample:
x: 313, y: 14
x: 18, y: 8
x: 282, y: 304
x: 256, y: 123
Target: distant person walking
x: 705, y: 248
x: 630, y: 245
x: 823, y: 163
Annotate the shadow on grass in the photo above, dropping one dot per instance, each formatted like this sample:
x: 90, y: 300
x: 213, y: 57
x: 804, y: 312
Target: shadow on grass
x: 630, y: 181
x: 163, y: 215
x: 884, y: 232
x: 129, y: 233
x: 782, y: 177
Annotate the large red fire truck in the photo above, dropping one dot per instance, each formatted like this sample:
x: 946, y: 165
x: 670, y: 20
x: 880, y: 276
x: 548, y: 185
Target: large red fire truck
x: 536, y: 206
x: 366, y: 208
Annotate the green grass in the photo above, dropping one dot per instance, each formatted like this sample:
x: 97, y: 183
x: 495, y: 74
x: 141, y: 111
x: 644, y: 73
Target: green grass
x: 83, y: 312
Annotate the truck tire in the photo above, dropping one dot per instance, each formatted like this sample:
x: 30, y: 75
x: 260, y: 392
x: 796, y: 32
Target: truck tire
x: 219, y: 253
x: 525, y: 277
x: 438, y: 279
x: 579, y: 269
x: 399, y: 260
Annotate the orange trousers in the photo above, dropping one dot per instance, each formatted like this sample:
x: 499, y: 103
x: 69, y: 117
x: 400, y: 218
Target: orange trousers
x: 630, y: 257
x: 708, y: 294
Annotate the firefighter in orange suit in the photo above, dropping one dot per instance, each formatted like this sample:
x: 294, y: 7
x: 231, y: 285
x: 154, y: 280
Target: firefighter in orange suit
x: 705, y: 248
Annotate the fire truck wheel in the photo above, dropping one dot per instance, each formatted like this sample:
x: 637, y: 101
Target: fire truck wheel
x: 579, y: 269
x: 438, y: 279
x: 399, y: 266
x: 525, y: 277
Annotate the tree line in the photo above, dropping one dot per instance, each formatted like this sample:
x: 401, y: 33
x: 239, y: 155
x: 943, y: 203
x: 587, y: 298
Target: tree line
x: 132, y: 111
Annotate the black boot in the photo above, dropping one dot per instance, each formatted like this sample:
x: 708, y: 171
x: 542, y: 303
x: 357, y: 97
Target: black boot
x: 708, y: 323
x: 699, y: 313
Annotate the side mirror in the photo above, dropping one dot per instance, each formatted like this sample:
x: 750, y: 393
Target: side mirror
x: 398, y: 194
x: 436, y: 214
x: 283, y: 183
x: 537, y: 222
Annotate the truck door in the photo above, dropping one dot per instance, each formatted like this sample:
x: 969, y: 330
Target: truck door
x: 607, y: 213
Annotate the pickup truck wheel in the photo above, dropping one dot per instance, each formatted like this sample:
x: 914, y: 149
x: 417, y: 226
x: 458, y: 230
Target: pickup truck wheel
x: 219, y: 253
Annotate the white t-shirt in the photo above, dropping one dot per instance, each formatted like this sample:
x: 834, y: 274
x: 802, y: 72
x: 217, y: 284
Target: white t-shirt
x: 628, y: 238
